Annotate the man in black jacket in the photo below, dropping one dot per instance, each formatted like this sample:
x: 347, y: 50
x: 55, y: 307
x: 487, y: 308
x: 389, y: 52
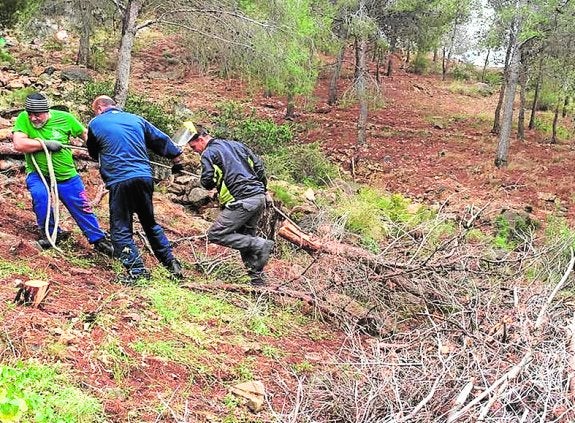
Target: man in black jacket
x: 239, y: 177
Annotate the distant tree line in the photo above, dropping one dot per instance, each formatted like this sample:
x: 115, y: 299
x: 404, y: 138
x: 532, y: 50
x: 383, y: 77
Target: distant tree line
x: 276, y: 45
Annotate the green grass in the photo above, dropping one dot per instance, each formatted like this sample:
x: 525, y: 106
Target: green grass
x: 15, y: 267
x: 31, y: 392
x: 115, y: 359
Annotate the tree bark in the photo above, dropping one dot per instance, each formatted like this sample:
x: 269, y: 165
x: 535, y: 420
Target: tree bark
x: 129, y: 30
x: 85, y: 33
x: 443, y: 63
x: 554, y: 127
x: 565, y: 106
x: 536, y: 94
x: 522, y: 102
x: 290, y: 108
x: 361, y: 92
x: 332, y: 95
x: 501, y: 158
x: 497, y: 118
x: 485, y: 64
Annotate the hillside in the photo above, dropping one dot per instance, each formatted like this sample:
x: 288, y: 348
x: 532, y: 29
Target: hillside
x: 163, y: 352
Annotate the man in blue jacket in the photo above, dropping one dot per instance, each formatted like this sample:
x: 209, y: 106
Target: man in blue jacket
x: 239, y: 176
x: 120, y: 141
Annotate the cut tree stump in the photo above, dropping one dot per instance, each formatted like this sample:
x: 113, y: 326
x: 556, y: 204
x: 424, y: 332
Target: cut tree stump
x: 32, y: 292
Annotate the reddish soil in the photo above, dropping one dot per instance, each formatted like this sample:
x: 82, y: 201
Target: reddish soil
x: 425, y: 143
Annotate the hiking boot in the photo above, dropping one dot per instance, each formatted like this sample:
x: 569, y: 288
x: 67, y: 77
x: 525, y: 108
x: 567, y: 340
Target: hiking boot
x: 262, y: 256
x: 131, y: 278
x: 60, y: 238
x: 105, y: 247
x: 175, y: 269
x: 258, y: 279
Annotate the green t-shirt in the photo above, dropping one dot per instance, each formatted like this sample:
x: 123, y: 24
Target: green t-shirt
x: 60, y: 126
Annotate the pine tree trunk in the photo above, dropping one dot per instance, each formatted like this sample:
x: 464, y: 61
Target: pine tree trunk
x: 443, y: 64
x: 85, y: 32
x: 522, y: 102
x: 501, y: 159
x: 389, y: 65
x: 497, y: 118
x: 536, y: 94
x: 290, y: 108
x: 554, y: 128
x: 485, y: 64
x: 332, y: 95
x: 129, y: 30
x: 361, y: 92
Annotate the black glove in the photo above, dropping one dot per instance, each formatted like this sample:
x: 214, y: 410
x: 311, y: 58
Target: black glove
x: 177, y: 168
x: 53, y: 146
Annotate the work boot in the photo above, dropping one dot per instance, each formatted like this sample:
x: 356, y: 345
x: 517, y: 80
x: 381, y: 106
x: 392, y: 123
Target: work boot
x: 175, y: 269
x: 105, y: 247
x: 131, y: 278
x: 258, y: 279
x: 60, y: 238
x: 262, y: 256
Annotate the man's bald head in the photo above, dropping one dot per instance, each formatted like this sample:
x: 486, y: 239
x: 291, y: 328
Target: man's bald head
x: 102, y: 103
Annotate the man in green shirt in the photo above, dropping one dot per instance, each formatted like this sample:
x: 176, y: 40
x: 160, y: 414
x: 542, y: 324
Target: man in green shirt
x: 41, y: 133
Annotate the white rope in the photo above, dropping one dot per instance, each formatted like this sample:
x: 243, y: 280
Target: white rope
x: 53, y: 198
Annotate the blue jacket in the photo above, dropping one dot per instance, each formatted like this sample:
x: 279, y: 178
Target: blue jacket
x: 120, y: 141
x: 233, y: 169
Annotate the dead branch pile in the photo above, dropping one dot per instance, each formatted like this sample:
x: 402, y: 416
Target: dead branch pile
x: 466, y: 333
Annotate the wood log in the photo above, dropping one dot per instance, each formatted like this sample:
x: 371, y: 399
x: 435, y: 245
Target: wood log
x: 291, y: 232
x: 32, y: 292
x: 7, y: 150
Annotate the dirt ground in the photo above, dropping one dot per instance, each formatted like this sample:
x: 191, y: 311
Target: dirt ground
x: 426, y: 143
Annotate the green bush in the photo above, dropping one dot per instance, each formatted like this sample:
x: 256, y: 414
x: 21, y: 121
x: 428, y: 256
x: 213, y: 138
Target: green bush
x: 15, y: 98
x: 547, y: 99
x: 263, y: 136
x: 492, y: 77
x: 512, y: 229
x: 305, y: 164
x: 420, y: 64
x: 5, y: 56
x: 464, y: 72
x: 161, y: 115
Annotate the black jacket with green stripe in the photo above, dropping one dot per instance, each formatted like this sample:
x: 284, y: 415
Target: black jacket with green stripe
x: 233, y: 169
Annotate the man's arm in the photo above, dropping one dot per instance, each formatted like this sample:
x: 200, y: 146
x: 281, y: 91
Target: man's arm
x: 92, y: 144
x: 160, y: 143
x: 207, y: 179
x: 23, y: 144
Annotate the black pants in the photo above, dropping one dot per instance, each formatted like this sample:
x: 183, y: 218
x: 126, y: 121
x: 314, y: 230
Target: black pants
x: 127, y: 198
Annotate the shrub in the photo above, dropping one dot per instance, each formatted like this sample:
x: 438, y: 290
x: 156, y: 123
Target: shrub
x: 263, y: 136
x: 15, y: 98
x: 464, y: 72
x: 512, y: 229
x: 301, y: 164
x: 492, y: 77
x: 420, y: 64
x: 547, y: 99
x: 160, y: 115
x: 5, y: 56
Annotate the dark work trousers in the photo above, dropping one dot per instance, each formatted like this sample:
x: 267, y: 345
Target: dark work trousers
x: 236, y: 226
x: 126, y: 198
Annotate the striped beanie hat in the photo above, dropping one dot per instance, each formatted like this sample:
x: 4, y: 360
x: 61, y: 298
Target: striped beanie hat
x: 36, y: 103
